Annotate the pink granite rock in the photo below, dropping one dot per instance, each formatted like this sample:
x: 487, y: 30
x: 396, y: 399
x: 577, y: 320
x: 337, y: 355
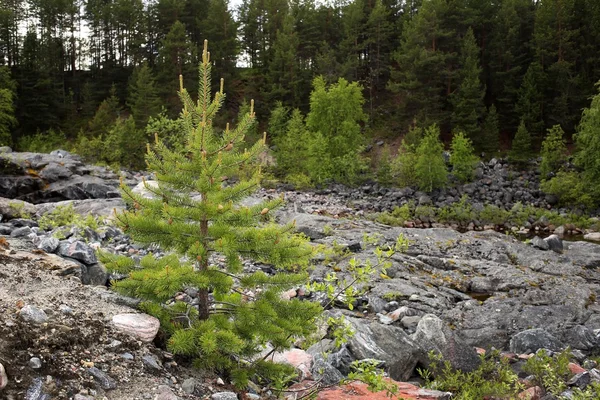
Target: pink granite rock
x: 142, y: 326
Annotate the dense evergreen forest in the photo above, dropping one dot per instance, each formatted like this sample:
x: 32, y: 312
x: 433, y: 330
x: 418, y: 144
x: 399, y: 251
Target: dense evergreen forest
x: 75, y: 69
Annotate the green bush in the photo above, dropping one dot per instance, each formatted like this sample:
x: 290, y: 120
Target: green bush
x: 384, y: 167
x: 460, y: 212
x: 462, y: 157
x: 492, y: 214
x: 43, y: 142
x: 300, y: 181
x: 63, y: 216
x: 570, y: 189
x: 493, y: 379
x: 430, y: 168
x: 554, y: 151
x: 397, y: 217
x: 403, y: 166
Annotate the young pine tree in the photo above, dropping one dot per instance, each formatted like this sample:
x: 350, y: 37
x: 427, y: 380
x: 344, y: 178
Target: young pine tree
x: 554, y: 151
x: 430, y: 168
x: 143, y: 97
x: 462, y: 159
x: 196, y: 214
x: 490, y: 144
x: 520, y: 151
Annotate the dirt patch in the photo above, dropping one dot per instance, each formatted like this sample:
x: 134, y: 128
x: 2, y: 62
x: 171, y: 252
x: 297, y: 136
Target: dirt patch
x: 78, y: 335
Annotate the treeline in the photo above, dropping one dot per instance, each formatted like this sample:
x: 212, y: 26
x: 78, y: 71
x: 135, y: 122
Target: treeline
x: 482, y: 67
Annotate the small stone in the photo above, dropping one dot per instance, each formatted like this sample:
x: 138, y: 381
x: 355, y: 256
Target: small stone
x: 103, y: 379
x: 533, y: 393
x: 3, y: 377
x: 49, y: 244
x: 143, y: 326
x: 189, y: 385
x: 589, y: 364
x: 252, y: 396
x: 165, y: 393
x: 35, y: 363
x: 575, y: 369
x: 220, y: 382
x: 114, y: 345
x: 65, y: 309
x: 33, y: 314
x: 21, y: 232
x: 80, y: 396
x: 77, y: 250
x: 581, y: 380
x: 554, y: 243
x: 151, y: 362
x: 540, y: 243
x: 224, y: 396
x: 36, y: 390
x: 127, y: 356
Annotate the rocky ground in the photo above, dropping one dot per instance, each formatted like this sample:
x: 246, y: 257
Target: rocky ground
x: 450, y: 292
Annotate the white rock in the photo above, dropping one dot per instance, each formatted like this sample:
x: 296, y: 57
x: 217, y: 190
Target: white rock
x: 143, y: 326
x: 3, y: 377
x: 593, y: 236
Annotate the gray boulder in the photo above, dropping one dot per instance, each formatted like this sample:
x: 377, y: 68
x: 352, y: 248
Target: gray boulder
x: 386, y: 343
x: 554, y: 243
x: 532, y: 340
x: 49, y: 244
x: 95, y: 274
x: 433, y: 334
x: 78, y: 251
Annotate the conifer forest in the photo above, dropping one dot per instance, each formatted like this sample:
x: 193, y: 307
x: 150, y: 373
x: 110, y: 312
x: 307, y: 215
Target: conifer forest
x: 328, y: 78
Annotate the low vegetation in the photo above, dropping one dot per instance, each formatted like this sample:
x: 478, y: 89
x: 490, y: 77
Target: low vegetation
x: 462, y: 213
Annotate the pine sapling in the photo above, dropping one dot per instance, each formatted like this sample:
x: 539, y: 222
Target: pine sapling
x: 195, y: 214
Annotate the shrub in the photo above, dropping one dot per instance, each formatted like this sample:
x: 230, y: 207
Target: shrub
x: 397, y: 217
x: 570, y: 189
x: 462, y: 158
x: 42, y: 142
x: 404, y: 166
x: 430, y: 168
x: 554, y: 151
x: 460, y: 212
x: 492, y: 214
x: 384, y: 167
x: 494, y: 378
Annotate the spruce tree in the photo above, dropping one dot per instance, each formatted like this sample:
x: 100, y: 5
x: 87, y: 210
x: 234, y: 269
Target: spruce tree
x: 431, y: 169
x: 520, y: 151
x: 106, y: 115
x: 531, y: 100
x: 7, y: 108
x: 490, y: 134
x: 196, y: 214
x: 554, y: 151
x: 143, y: 97
x: 468, y: 99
